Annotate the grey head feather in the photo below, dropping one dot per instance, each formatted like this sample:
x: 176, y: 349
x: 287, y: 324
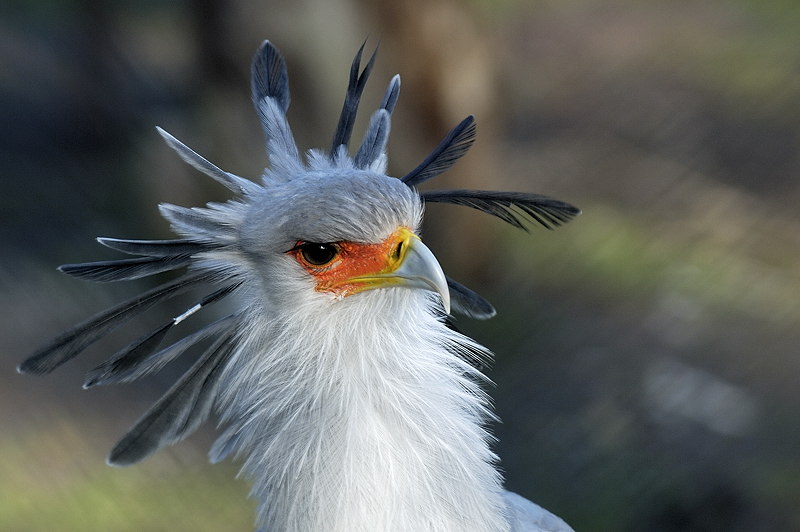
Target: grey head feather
x: 199, y: 224
x: 392, y: 94
x: 372, y: 154
x: 359, y: 205
x: 225, y: 444
x: 284, y: 158
x: 237, y: 184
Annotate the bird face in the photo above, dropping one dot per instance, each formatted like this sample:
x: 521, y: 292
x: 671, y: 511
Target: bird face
x: 347, y: 268
x: 365, y: 240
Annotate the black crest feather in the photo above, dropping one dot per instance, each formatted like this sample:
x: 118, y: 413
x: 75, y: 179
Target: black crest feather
x: 180, y: 411
x: 156, y: 248
x: 75, y: 340
x: 391, y: 95
x: 125, y: 269
x: 140, y: 357
x: 269, y: 76
x: 511, y: 207
x: 355, y: 88
x: 457, y: 142
x: 468, y: 302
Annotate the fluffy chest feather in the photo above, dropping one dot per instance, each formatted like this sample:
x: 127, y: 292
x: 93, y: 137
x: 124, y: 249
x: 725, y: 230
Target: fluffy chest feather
x: 350, y: 419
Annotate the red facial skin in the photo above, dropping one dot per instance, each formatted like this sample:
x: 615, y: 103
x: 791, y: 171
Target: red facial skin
x: 356, y: 266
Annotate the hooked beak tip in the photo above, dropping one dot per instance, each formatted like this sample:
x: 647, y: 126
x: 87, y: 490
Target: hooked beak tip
x: 420, y: 269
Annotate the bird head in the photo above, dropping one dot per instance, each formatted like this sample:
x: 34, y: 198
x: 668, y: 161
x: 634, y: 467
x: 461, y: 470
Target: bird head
x: 366, y: 240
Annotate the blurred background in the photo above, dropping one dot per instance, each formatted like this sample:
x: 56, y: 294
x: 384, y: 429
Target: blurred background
x: 647, y: 353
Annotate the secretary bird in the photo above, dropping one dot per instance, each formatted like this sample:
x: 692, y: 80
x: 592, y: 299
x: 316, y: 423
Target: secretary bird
x: 352, y: 402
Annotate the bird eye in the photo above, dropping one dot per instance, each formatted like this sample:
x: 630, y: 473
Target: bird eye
x: 318, y: 254
x: 398, y: 250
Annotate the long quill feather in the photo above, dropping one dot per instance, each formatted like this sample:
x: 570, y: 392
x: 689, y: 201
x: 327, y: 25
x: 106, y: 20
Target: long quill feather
x: 72, y: 342
x: 179, y: 412
x: 511, y: 207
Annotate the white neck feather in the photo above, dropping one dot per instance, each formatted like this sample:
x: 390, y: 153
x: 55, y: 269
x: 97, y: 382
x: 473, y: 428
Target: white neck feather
x: 361, y: 419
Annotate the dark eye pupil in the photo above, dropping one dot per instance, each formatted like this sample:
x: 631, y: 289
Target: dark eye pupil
x: 318, y: 254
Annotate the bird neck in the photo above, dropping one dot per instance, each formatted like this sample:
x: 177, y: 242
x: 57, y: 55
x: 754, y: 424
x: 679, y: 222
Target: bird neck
x: 362, y: 417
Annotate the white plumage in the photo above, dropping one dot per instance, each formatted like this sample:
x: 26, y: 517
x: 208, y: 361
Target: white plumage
x: 375, y: 427
x: 350, y: 401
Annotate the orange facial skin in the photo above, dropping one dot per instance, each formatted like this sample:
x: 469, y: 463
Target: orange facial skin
x: 356, y: 266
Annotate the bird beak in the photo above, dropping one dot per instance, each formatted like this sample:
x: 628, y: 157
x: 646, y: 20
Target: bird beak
x: 411, y: 265
x: 420, y: 269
